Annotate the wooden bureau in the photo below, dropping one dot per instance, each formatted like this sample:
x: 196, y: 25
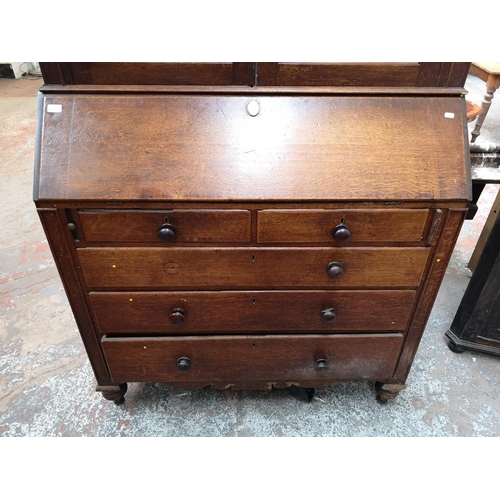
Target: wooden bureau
x: 251, y: 234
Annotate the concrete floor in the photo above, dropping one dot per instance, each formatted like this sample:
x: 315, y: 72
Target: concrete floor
x: 47, y: 385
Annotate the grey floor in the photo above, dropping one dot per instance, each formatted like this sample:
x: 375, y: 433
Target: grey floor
x: 47, y: 385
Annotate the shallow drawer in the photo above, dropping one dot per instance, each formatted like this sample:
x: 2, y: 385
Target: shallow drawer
x: 237, y: 358
x: 186, y: 226
x: 196, y: 268
x: 229, y: 312
x: 341, y: 226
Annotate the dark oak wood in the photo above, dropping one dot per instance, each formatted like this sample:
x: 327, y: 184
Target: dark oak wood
x: 439, y: 258
x: 360, y: 74
x: 386, y: 392
x: 167, y: 232
x: 156, y: 73
x: 257, y: 90
x: 199, y: 226
x: 54, y: 230
x: 435, y: 226
x: 199, y: 149
x: 219, y: 268
x: 115, y: 393
x: 299, y: 241
x: 252, y: 206
x: 365, y: 226
x: 177, y: 316
x: 51, y: 73
x: 235, y: 358
x: 268, y: 74
x: 258, y: 311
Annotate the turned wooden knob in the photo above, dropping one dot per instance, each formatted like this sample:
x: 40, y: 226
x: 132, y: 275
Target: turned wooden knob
x: 321, y: 365
x: 184, y: 364
x: 335, y: 270
x: 341, y: 233
x: 177, y: 316
x: 328, y: 315
x: 167, y: 233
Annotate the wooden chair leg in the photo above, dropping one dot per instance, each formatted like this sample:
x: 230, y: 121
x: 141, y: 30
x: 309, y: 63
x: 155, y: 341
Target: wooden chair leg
x: 491, y: 86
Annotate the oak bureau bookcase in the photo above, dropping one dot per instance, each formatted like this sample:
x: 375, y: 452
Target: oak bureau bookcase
x: 252, y: 225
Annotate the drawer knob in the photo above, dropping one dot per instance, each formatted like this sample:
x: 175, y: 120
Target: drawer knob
x: 341, y: 233
x: 321, y: 364
x: 328, y: 315
x: 167, y: 233
x: 184, y: 364
x: 335, y: 270
x: 177, y: 316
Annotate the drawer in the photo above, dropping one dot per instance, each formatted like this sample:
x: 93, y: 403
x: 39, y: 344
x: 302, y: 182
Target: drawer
x: 178, y: 313
x: 186, y: 226
x: 197, y: 268
x: 341, y: 226
x: 237, y: 358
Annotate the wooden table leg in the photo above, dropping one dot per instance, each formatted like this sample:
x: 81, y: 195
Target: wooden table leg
x: 492, y: 84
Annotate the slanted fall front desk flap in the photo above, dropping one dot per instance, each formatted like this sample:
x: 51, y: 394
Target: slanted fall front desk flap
x: 283, y: 148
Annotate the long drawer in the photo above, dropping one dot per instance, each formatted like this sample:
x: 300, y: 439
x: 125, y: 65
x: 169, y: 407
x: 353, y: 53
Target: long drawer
x: 190, y: 226
x: 198, y: 268
x: 178, y: 313
x: 331, y: 226
x: 273, y: 358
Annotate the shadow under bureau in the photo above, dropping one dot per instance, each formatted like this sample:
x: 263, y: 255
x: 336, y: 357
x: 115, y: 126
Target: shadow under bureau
x: 251, y: 237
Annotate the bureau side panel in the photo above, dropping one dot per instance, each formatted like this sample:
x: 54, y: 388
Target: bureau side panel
x: 435, y: 275
x: 65, y: 265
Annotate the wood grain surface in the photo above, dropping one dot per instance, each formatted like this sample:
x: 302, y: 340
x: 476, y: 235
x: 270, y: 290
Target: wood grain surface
x: 409, y: 74
x: 398, y: 74
x: 226, y: 312
x: 195, y: 226
x: 366, y: 226
x: 150, y: 73
x: 239, y: 358
x: 190, y: 148
x: 205, y: 268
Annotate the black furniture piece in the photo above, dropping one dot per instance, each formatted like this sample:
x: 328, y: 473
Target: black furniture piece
x: 476, y: 325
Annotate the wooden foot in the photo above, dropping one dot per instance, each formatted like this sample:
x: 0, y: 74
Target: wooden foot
x: 454, y: 347
x: 387, y: 391
x: 114, y: 393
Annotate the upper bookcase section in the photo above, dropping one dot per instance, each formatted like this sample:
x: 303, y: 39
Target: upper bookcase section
x: 251, y: 74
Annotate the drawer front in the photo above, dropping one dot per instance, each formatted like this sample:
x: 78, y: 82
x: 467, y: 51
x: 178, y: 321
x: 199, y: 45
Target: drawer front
x: 189, y: 226
x: 238, y: 358
x: 196, y: 268
x: 231, y: 312
x: 341, y: 226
